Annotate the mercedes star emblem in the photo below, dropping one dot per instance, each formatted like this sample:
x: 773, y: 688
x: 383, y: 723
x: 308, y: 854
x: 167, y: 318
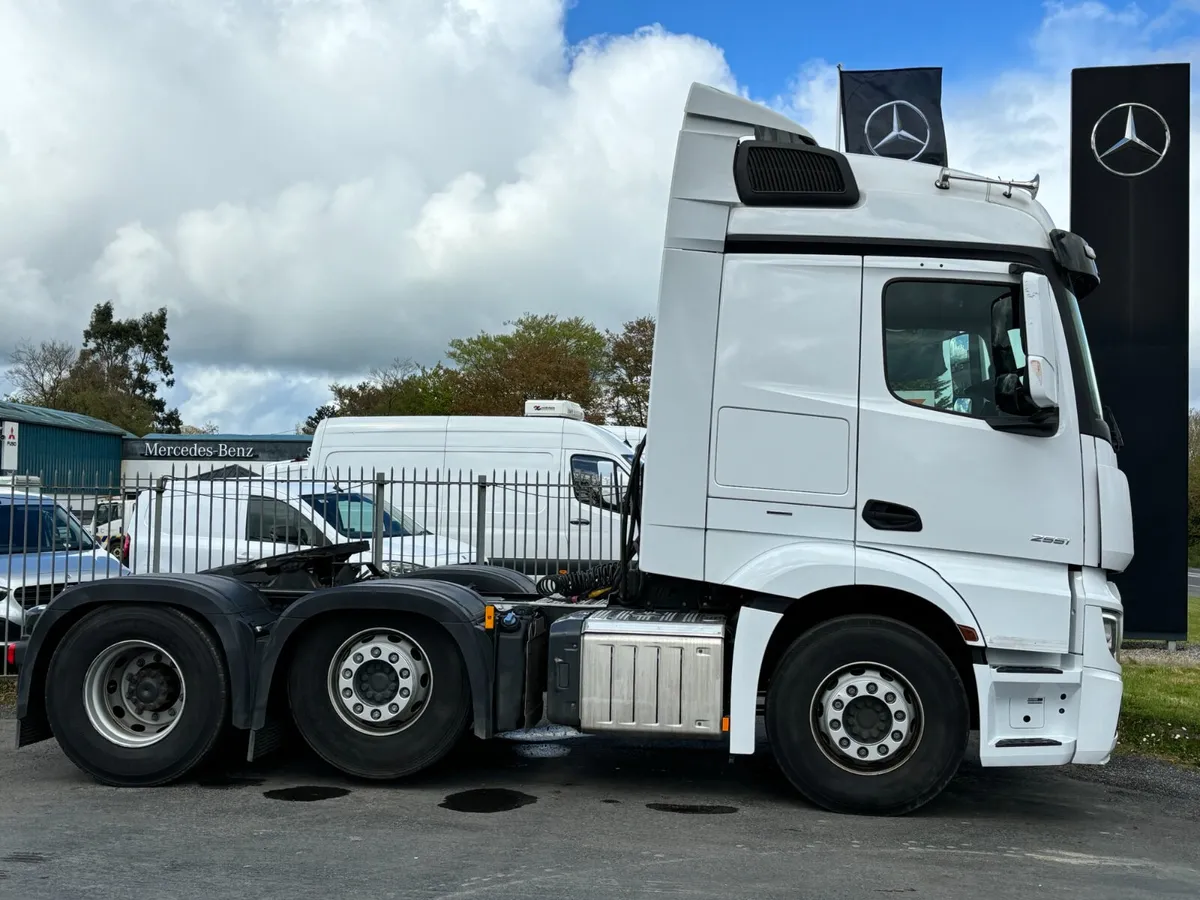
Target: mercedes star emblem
x: 899, y: 140
x: 1131, y: 155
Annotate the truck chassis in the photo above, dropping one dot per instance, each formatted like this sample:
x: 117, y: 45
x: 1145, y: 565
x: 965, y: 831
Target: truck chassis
x: 142, y: 678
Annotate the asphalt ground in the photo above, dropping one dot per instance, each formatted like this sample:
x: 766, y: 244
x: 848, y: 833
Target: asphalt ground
x: 583, y: 819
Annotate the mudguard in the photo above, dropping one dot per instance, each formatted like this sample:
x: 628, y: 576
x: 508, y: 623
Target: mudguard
x: 236, y: 613
x: 456, y: 608
x: 490, y: 581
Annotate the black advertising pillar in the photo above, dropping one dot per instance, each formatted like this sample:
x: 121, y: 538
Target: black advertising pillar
x: 1129, y: 200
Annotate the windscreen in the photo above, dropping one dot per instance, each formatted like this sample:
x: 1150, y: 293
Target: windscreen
x: 40, y: 528
x: 352, y: 515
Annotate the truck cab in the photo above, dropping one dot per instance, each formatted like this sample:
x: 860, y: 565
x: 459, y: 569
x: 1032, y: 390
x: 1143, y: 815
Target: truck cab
x: 903, y: 412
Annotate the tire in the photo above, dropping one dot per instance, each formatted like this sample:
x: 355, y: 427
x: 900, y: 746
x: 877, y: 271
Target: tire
x: 413, y: 744
x: 933, y: 730
x: 92, y: 738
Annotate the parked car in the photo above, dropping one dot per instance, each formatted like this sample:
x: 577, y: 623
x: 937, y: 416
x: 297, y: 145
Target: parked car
x: 43, y: 549
x: 208, y: 524
x: 108, y: 520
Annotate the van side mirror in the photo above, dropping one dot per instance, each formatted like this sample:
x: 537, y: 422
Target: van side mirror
x: 1041, y: 370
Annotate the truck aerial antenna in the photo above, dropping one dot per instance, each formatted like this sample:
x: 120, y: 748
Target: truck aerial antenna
x: 945, y: 176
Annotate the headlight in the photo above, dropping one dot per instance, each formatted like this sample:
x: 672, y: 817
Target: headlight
x: 1112, y: 632
x: 402, y: 567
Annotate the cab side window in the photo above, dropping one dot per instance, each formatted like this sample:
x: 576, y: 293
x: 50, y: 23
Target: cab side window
x: 595, y: 482
x: 274, y: 521
x: 954, y: 346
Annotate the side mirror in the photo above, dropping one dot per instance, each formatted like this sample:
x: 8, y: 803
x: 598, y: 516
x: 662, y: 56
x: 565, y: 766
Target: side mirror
x: 1041, y: 372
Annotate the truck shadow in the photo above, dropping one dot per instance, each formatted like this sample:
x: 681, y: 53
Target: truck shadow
x: 659, y: 773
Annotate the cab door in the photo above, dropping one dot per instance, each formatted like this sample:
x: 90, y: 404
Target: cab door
x: 997, y: 514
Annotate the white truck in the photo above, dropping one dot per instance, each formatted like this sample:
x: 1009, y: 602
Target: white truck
x: 553, y: 482
x: 863, y: 518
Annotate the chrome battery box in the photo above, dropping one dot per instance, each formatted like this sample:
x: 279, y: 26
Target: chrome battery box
x: 638, y: 672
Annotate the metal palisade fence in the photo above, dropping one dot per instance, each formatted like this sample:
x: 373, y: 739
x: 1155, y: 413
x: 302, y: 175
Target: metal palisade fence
x: 196, y: 520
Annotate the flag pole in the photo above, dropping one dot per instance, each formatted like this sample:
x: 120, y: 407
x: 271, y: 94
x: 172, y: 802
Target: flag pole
x: 837, y: 131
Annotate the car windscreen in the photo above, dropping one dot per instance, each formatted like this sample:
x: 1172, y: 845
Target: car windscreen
x: 352, y: 515
x: 40, y: 528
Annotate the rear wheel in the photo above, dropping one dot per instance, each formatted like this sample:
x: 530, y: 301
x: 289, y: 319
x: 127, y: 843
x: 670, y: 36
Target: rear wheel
x: 867, y: 715
x: 137, y: 697
x: 381, y: 696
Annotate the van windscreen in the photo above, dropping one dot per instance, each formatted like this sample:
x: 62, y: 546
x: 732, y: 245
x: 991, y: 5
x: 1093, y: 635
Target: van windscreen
x: 352, y: 515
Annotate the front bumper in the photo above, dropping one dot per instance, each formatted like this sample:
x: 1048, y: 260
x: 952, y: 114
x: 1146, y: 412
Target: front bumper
x: 1053, y: 715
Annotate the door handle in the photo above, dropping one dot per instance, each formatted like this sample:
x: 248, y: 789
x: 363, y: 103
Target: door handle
x: 581, y: 521
x: 885, y: 516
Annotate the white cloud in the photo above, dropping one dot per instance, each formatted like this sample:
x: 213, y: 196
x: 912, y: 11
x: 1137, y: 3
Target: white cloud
x: 313, y: 188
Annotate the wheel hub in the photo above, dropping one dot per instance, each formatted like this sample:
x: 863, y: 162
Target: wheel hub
x: 133, y: 693
x: 379, y: 681
x: 154, y: 687
x: 866, y: 718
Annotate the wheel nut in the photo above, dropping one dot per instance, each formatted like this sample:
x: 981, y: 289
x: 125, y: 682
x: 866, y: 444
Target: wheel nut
x: 171, y: 713
x: 897, y: 736
x: 838, y: 704
x: 158, y: 657
x: 404, y: 673
x: 889, y: 697
x: 852, y: 691
x: 872, y: 688
x: 404, y: 692
x: 141, y: 662
x: 883, y: 750
x: 347, y: 673
x: 862, y: 752
x: 347, y: 693
x: 358, y: 657
x: 835, y: 725
x: 844, y: 743
x: 900, y: 716
x: 393, y: 658
x: 112, y: 687
x: 375, y: 651
x: 375, y: 714
x: 394, y: 708
x: 154, y: 717
x: 358, y: 708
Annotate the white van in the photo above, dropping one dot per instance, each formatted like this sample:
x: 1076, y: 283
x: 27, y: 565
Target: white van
x: 555, y: 481
x: 218, y: 523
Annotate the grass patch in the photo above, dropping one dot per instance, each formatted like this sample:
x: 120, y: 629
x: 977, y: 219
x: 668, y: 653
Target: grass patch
x: 8, y: 690
x: 1160, y: 712
x: 1193, y: 634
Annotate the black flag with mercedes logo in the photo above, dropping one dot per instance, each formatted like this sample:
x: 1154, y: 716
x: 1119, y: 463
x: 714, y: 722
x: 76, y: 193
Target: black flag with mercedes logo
x: 895, y: 113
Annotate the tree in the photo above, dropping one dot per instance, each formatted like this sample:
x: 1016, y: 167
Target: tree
x: 542, y: 357
x: 402, y: 388
x: 114, y: 377
x: 206, y: 428
x: 322, y: 412
x: 40, y: 373
x: 130, y: 356
x: 630, y: 353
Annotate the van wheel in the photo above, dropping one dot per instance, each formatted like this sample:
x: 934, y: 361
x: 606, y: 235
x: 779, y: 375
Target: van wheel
x: 137, y: 697
x: 867, y: 715
x: 380, y: 697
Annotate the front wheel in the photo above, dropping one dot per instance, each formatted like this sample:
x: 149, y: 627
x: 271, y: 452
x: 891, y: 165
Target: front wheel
x: 867, y: 715
x: 381, y: 696
x: 137, y: 696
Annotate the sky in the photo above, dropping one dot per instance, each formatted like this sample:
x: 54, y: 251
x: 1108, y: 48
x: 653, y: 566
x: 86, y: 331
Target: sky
x: 313, y: 188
